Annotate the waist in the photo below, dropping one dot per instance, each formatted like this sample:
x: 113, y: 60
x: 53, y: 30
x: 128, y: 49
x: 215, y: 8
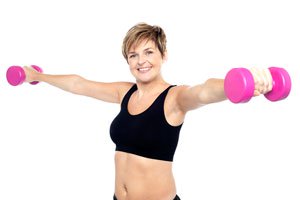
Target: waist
x: 137, y: 177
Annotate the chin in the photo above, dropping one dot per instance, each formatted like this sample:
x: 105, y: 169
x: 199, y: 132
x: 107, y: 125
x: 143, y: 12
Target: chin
x: 144, y: 80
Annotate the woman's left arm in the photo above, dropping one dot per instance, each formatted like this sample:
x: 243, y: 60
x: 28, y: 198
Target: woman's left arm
x: 192, y: 97
x: 212, y: 91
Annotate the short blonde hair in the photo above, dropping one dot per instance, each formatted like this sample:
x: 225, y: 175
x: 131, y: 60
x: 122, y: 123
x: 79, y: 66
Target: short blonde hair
x: 143, y: 31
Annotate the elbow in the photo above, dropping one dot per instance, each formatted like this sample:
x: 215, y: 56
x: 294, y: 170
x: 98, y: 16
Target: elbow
x: 76, y: 86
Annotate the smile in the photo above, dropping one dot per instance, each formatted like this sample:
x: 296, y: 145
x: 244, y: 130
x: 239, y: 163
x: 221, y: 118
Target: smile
x: 144, y: 69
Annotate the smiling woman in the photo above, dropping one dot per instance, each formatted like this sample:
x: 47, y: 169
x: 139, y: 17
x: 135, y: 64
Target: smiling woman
x: 145, y: 61
x: 144, y: 48
x: 146, y: 130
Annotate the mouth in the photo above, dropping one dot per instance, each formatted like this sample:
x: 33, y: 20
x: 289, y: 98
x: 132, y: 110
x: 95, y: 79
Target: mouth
x: 144, y: 69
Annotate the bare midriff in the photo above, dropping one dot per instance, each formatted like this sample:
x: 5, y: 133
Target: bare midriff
x: 139, y: 178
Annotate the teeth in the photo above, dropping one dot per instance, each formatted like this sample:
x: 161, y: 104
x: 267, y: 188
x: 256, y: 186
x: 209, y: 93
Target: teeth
x: 144, y: 69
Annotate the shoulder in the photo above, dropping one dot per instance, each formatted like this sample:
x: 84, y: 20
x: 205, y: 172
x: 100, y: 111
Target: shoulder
x: 174, y: 94
x: 177, y: 89
x: 123, y: 88
x: 182, y: 97
x: 174, y: 114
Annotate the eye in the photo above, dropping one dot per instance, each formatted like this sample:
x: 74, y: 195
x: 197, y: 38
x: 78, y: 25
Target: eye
x: 149, y: 52
x: 132, y: 56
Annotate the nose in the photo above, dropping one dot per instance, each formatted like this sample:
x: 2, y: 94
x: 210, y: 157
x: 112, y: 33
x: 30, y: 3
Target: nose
x: 142, y: 60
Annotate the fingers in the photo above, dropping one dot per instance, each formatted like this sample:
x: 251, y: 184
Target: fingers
x: 263, y: 81
x: 269, y: 79
x: 29, y: 72
x: 28, y: 67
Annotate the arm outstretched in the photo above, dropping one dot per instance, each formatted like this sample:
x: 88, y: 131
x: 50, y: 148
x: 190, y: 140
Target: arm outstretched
x: 109, y: 92
x: 192, y: 97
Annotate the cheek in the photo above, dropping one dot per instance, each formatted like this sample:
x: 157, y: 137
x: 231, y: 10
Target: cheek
x: 131, y: 64
x: 131, y: 67
x: 156, y: 61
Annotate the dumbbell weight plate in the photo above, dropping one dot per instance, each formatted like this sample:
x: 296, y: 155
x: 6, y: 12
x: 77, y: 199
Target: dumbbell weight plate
x: 15, y: 75
x: 239, y: 85
x: 281, y: 84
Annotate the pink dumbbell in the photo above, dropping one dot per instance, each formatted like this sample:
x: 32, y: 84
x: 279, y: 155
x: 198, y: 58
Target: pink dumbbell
x: 239, y: 85
x: 15, y: 75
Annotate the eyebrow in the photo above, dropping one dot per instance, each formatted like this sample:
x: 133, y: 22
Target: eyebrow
x: 133, y: 52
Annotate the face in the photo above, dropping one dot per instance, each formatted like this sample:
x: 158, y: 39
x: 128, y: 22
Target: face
x: 145, y: 61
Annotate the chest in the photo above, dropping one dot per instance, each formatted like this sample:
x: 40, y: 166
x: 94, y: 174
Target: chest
x: 138, y: 105
x: 147, y: 131
x: 142, y: 120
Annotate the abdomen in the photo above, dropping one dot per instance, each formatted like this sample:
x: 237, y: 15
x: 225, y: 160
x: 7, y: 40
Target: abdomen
x: 139, y: 178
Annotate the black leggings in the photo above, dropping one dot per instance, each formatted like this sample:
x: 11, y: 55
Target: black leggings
x: 176, y: 198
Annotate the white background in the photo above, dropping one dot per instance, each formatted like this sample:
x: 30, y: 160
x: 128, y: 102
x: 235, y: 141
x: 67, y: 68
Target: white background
x: 56, y: 145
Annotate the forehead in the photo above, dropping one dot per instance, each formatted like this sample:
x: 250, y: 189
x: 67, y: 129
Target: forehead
x: 141, y: 45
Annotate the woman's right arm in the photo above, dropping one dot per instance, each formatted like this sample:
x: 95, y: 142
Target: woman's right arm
x: 108, y: 92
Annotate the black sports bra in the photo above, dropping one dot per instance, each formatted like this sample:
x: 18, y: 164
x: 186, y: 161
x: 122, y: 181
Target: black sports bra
x: 147, y: 134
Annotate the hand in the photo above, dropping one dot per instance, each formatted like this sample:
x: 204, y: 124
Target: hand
x: 263, y: 81
x: 30, y: 73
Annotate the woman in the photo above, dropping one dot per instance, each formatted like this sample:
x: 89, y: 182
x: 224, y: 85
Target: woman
x: 146, y: 130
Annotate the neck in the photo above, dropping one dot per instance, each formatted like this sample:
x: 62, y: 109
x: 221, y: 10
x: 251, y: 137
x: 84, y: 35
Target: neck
x: 151, y: 87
